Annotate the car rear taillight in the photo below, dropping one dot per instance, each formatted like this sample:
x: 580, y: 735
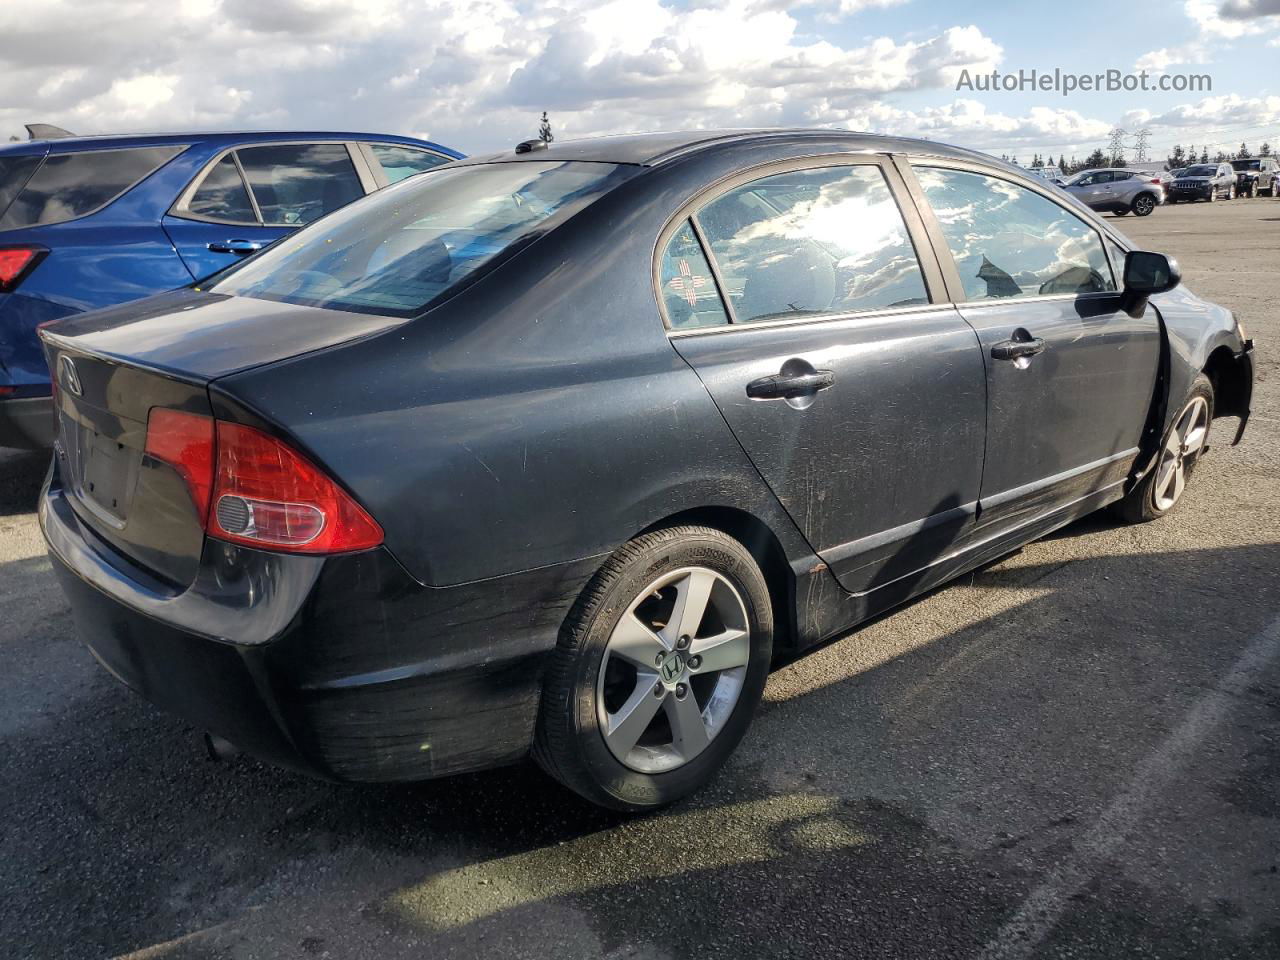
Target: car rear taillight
x: 185, y: 442
x: 250, y: 488
x: 16, y: 263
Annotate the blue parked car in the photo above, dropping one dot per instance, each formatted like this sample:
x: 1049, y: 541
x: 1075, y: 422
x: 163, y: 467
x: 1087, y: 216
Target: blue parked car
x: 89, y: 222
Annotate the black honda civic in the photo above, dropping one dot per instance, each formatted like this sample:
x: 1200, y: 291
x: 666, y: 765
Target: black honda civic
x: 555, y: 451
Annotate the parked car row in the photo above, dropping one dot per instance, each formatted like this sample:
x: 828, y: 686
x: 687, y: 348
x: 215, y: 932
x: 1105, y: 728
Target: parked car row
x: 1121, y: 190
x: 90, y: 222
x: 553, y: 451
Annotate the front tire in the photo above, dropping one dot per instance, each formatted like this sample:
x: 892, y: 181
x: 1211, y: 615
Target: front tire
x: 1161, y: 489
x: 658, y: 671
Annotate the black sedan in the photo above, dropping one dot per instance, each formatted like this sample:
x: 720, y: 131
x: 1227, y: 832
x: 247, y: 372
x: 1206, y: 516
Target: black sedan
x: 555, y: 451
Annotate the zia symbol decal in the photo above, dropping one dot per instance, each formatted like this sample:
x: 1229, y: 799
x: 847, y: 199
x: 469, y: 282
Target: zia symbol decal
x: 688, y: 283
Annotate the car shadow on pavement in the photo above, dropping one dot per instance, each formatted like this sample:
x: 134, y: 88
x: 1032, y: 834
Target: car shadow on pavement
x: 903, y: 804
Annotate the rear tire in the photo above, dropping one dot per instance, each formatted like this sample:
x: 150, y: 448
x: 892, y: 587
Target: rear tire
x: 1161, y: 489
x: 615, y: 694
x: 1143, y: 205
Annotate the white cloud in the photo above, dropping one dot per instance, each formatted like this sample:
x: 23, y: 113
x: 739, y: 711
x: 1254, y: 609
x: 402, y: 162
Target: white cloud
x: 1158, y: 61
x: 474, y: 73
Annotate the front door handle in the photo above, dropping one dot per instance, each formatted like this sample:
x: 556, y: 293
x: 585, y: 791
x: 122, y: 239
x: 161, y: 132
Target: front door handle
x: 1016, y: 349
x: 239, y: 247
x: 788, y: 386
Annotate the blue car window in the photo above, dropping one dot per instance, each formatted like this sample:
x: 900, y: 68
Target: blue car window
x: 71, y: 185
x: 222, y: 195
x: 14, y: 172
x: 1009, y: 241
x: 295, y: 183
x: 829, y: 240
x: 688, y: 289
x: 400, y: 250
x: 400, y: 162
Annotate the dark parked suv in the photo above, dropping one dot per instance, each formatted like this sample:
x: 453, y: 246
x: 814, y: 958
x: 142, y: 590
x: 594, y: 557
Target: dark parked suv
x: 1255, y: 177
x: 89, y: 222
x: 1204, y: 181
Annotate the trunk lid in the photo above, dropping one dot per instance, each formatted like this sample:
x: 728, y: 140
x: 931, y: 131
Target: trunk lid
x: 111, y: 368
x: 138, y: 505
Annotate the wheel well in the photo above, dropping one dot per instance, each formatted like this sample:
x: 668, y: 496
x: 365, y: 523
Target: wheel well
x: 763, y: 545
x: 1230, y: 388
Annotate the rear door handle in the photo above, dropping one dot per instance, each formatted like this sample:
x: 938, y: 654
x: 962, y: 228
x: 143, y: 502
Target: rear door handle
x: 1014, y: 349
x: 239, y: 247
x: 784, y: 386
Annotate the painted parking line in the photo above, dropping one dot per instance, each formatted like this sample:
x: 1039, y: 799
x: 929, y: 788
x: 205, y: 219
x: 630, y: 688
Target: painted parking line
x: 1019, y: 936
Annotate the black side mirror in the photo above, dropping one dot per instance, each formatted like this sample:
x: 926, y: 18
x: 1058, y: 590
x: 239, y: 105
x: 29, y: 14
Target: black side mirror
x: 1144, y: 274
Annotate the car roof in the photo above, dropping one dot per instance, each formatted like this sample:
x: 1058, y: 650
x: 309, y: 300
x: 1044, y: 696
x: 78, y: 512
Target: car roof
x: 217, y: 137
x: 654, y: 149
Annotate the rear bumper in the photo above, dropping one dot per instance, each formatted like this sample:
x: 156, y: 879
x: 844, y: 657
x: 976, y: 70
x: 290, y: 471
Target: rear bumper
x: 343, y: 668
x: 26, y: 423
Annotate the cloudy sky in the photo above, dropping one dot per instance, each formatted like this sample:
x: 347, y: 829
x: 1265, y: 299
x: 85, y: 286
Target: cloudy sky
x: 475, y: 73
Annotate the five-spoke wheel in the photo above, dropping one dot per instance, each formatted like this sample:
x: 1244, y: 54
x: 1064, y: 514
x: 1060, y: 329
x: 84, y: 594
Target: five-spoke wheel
x: 1182, y: 448
x: 673, y: 669
x: 658, y: 671
x: 1162, y: 485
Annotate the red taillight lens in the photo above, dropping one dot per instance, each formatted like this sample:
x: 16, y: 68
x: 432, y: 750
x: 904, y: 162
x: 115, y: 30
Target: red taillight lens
x: 185, y: 442
x: 16, y: 263
x: 267, y: 495
x: 248, y: 487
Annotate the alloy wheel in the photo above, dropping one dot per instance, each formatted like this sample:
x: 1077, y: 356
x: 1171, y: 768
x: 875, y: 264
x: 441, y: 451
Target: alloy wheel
x: 1185, y: 444
x: 673, y: 669
x: 1143, y: 205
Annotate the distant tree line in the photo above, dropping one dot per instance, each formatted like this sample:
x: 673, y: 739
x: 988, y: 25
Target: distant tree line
x: 1177, y: 158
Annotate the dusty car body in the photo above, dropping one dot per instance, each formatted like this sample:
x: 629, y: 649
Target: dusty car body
x: 647, y: 388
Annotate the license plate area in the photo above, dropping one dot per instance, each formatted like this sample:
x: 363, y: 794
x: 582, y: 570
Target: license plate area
x: 103, y: 460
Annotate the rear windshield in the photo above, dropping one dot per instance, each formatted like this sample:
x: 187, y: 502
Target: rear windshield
x: 399, y: 250
x: 70, y: 185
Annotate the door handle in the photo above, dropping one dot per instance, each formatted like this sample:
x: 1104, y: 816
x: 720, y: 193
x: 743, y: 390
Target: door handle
x: 788, y: 386
x: 1016, y: 349
x: 239, y: 247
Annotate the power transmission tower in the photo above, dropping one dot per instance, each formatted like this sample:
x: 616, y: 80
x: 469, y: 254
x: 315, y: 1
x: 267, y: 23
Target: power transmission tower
x: 1117, y: 144
x: 1140, y: 149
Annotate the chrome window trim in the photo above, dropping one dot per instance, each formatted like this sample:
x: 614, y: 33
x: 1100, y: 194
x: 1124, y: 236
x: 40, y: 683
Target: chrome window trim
x: 924, y: 308
x: 934, y: 286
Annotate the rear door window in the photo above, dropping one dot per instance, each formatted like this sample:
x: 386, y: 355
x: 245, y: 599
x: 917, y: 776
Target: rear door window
x: 398, y: 162
x: 295, y: 183
x: 222, y: 195
x: 71, y: 185
x: 829, y: 240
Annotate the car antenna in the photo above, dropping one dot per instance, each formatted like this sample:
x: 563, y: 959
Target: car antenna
x: 46, y: 131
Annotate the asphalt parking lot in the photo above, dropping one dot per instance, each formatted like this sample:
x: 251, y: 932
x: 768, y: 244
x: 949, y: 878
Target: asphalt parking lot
x: 1074, y: 752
